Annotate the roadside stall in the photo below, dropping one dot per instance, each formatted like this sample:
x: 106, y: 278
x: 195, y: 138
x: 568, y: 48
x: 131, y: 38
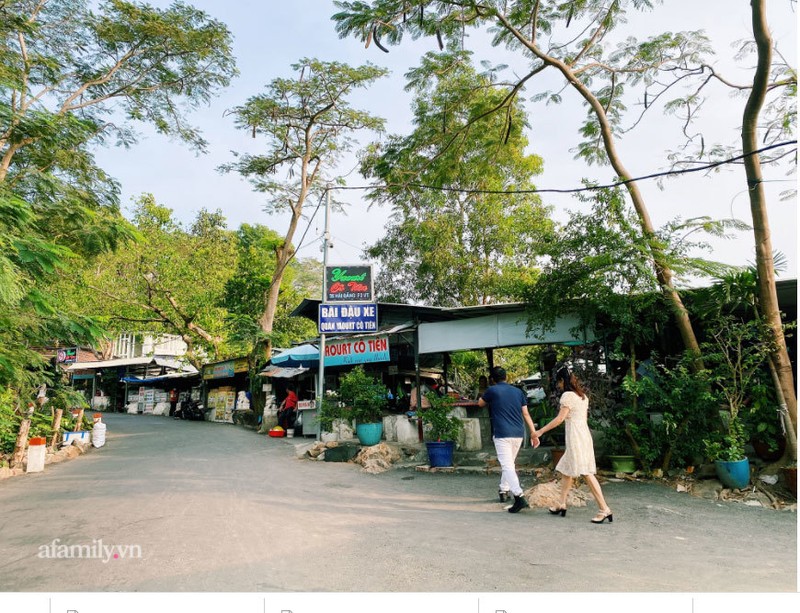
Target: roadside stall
x: 227, y: 386
x: 140, y: 385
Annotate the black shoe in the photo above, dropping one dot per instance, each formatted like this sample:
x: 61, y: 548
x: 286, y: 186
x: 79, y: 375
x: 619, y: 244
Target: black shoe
x: 562, y: 511
x: 503, y: 496
x: 519, y: 504
x: 602, y: 516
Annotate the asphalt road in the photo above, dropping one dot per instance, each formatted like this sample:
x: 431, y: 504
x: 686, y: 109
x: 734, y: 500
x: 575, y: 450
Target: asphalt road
x: 206, y: 507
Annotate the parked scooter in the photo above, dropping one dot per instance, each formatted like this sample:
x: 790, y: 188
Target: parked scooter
x: 190, y: 409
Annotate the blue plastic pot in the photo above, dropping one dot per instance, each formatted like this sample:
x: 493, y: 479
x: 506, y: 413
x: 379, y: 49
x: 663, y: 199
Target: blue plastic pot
x: 369, y: 434
x: 440, y: 453
x: 735, y: 475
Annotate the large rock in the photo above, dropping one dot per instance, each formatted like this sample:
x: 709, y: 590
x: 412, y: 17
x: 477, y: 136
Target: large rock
x: 549, y: 495
x: 378, y: 458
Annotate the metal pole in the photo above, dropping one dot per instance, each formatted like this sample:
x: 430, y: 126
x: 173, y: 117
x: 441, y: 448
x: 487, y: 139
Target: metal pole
x: 321, y: 373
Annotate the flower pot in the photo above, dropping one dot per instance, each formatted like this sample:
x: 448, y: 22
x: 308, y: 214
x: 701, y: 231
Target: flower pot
x: 765, y: 453
x: 735, y: 475
x: 440, y: 453
x: 623, y: 463
x: 369, y: 434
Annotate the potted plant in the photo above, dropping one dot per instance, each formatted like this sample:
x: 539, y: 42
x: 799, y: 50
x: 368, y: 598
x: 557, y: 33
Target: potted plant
x: 444, y: 429
x: 331, y: 412
x: 617, y: 448
x: 736, y: 352
x: 365, y: 400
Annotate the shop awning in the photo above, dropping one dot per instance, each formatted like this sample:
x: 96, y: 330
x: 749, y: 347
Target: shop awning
x: 123, y: 362
x: 300, y: 356
x: 174, y: 375
x: 503, y: 329
x: 279, y: 372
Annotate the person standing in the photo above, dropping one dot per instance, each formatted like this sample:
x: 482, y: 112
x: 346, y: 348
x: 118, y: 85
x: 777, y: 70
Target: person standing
x: 578, y: 459
x: 508, y: 411
x: 173, y: 401
x: 287, y: 410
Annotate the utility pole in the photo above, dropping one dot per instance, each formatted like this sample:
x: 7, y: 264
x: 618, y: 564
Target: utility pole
x: 326, y: 237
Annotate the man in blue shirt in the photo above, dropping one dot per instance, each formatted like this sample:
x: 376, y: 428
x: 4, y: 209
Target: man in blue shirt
x: 508, y: 407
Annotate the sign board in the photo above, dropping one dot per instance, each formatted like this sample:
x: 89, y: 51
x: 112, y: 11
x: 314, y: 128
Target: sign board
x: 347, y: 318
x: 348, y: 284
x: 357, y: 351
x: 68, y: 355
x: 305, y: 405
x: 225, y: 370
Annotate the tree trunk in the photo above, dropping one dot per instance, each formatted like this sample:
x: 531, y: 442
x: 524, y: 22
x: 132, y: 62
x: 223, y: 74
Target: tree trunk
x: 21, y: 444
x: 284, y: 254
x: 768, y: 296
x: 56, y: 428
x: 78, y: 421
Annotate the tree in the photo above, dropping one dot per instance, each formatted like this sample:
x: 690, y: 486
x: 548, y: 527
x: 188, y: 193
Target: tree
x: 69, y: 79
x: 769, y: 118
x: 307, y: 124
x: 768, y: 295
x: 597, y: 268
x: 245, y: 290
x: 69, y: 69
x: 171, y: 281
x: 598, y: 76
x: 455, y: 238
x: 737, y: 293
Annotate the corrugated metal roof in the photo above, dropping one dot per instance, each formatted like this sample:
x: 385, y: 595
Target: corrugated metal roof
x: 145, y: 361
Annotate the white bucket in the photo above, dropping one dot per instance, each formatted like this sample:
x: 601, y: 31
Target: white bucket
x: 290, y: 433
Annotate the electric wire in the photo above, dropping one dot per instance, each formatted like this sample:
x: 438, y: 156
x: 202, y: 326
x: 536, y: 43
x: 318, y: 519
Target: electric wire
x: 574, y: 190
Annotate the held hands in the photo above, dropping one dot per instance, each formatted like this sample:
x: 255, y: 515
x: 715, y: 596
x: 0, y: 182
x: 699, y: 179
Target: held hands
x: 535, y: 440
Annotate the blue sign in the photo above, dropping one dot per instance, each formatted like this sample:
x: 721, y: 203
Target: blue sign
x: 357, y: 351
x: 348, y: 318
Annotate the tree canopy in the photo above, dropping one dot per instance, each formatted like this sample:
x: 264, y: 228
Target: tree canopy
x: 71, y: 78
x: 307, y: 123
x: 454, y: 237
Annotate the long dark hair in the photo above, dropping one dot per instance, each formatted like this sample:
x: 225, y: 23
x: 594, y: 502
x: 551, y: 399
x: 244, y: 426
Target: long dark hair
x: 570, y: 382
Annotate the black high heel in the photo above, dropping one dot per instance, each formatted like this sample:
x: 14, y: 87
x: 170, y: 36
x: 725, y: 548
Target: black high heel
x: 601, y: 517
x: 561, y: 511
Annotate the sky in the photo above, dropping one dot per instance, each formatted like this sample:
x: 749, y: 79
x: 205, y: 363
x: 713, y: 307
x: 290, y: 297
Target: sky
x: 269, y: 36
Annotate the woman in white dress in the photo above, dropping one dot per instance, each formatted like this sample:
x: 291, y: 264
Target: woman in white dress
x: 578, y: 459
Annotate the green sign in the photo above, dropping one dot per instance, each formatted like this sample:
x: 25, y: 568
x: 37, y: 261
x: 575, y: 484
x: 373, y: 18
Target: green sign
x: 348, y: 284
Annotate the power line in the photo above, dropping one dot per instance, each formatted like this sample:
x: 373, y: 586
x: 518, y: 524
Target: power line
x: 575, y: 190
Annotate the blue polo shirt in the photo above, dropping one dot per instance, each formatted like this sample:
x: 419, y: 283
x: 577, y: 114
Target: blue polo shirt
x: 505, y: 409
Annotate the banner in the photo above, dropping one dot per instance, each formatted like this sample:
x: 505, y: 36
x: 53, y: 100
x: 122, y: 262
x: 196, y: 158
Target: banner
x: 357, y: 351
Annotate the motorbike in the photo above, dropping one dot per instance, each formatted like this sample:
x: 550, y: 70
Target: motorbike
x: 191, y: 410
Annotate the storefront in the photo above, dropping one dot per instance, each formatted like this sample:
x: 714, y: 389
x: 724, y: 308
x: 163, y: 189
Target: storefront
x: 133, y: 385
x: 227, y: 389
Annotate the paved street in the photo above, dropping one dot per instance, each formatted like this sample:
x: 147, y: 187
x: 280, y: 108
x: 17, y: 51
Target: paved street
x: 207, y: 507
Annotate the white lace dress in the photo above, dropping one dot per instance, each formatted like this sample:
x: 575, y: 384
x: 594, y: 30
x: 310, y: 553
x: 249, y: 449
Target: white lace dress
x: 578, y: 456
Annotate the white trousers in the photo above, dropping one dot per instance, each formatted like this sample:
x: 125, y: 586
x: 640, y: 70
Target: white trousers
x: 507, y: 450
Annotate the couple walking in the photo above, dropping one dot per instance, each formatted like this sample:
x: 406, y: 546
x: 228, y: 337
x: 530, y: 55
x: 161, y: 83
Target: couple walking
x: 508, y: 409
